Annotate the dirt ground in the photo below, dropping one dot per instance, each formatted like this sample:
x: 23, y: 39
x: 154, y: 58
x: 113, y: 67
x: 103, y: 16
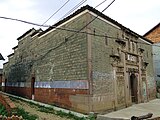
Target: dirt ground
x: 42, y: 115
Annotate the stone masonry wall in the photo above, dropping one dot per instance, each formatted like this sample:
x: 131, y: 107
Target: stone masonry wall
x: 154, y: 36
x: 64, y: 65
x: 66, y: 61
x: 102, y: 68
x: 58, y: 62
x: 151, y: 83
x: 156, y: 59
x: 20, y: 64
x: 103, y: 75
x: 105, y: 80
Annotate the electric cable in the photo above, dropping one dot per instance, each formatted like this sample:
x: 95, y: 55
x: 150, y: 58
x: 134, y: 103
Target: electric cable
x: 68, y: 29
x: 66, y: 39
x: 56, y: 12
x: 93, y: 18
x: 100, y: 3
x: 73, y: 9
x: 23, y: 21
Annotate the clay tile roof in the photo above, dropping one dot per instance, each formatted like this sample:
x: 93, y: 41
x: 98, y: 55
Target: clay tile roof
x: 152, y: 29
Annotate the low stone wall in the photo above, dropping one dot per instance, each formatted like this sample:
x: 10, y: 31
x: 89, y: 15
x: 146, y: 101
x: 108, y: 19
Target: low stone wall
x: 7, y: 103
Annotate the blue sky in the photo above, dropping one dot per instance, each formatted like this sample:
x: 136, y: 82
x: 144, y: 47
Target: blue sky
x: 137, y: 15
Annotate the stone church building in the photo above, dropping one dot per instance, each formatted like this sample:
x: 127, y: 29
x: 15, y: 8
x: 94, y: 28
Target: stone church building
x: 82, y: 65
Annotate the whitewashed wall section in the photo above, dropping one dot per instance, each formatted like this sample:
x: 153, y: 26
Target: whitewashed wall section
x: 103, y: 82
x: 18, y: 84
x: 151, y: 82
x: 72, y: 84
x: 102, y: 76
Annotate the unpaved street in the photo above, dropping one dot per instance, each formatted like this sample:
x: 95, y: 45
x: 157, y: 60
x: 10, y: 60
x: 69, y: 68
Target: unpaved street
x: 33, y: 110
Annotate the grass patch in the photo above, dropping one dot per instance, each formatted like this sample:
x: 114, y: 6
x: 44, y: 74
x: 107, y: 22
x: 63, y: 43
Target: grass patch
x: 26, y: 115
x: 69, y: 115
x: 45, y: 109
x: 3, y: 110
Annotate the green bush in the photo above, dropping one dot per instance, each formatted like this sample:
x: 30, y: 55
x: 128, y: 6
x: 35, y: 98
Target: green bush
x: 69, y: 115
x: 3, y: 110
x: 46, y: 109
x: 158, y: 83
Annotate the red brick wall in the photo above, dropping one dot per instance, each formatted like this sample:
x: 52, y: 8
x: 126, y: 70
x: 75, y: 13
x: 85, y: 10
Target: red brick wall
x: 154, y: 36
x: 58, y: 96
x: 20, y: 91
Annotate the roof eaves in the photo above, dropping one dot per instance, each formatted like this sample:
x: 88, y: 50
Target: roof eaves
x: 26, y: 33
x: 135, y: 34
x: 1, y: 57
x: 10, y: 55
x: 15, y: 47
x: 65, y: 19
x: 146, y: 39
x: 118, y: 24
x: 87, y: 7
x: 36, y: 32
x: 5, y: 63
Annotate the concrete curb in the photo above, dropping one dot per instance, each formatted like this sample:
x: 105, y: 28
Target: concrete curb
x: 99, y: 117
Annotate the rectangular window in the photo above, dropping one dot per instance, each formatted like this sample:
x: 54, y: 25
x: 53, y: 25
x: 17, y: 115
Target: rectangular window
x: 137, y: 48
x: 133, y: 46
x: 129, y: 45
x: 106, y: 40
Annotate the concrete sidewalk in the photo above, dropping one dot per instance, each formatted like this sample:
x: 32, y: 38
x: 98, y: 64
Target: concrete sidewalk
x: 134, y: 110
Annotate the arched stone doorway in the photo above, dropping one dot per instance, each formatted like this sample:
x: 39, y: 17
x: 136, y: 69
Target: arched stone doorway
x: 134, y: 88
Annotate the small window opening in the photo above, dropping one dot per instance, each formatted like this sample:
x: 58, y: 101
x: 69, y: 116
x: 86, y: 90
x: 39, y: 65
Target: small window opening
x: 106, y: 40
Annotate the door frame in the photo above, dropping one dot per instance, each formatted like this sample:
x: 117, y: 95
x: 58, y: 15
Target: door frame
x: 133, y: 87
x: 32, y: 87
